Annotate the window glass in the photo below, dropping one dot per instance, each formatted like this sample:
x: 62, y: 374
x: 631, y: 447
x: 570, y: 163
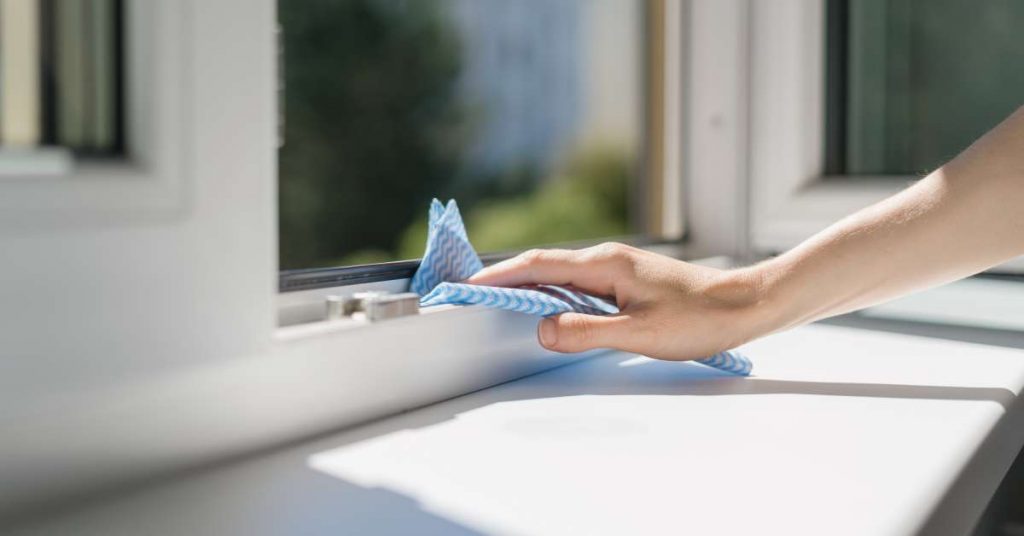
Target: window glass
x: 914, y: 82
x: 528, y: 112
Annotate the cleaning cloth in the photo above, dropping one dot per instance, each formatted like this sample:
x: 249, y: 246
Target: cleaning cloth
x: 450, y: 258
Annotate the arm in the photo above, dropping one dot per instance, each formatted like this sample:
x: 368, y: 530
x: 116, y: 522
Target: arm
x: 966, y: 216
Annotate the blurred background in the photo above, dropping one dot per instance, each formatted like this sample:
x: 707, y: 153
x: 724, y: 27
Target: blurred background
x: 534, y: 114
x: 528, y: 112
x: 531, y: 113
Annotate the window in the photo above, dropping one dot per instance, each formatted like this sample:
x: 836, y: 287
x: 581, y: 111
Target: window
x: 531, y: 113
x: 911, y: 83
x: 60, y: 83
x: 96, y: 106
x: 849, y: 102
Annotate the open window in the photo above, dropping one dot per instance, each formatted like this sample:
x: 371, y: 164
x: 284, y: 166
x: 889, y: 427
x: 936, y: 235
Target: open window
x: 549, y: 122
x: 854, y: 100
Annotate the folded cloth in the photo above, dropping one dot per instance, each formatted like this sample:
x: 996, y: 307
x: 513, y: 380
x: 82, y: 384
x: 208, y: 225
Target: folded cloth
x: 450, y: 258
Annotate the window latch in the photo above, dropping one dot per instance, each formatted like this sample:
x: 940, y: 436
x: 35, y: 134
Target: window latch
x: 373, y: 306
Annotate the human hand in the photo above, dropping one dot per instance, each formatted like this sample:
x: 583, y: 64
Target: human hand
x: 669, y: 309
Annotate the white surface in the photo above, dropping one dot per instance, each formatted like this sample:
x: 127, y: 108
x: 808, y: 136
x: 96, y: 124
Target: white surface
x: 841, y: 432
x: 976, y: 302
x: 715, y: 149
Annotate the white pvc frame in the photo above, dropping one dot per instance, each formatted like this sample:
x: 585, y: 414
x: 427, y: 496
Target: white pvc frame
x: 152, y: 181
x: 790, y: 197
x: 757, y: 130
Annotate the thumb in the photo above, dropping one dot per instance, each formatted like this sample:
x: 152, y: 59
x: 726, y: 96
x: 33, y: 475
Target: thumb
x: 576, y: 332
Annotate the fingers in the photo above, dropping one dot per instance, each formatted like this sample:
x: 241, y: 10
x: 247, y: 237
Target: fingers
x: 576, y: 332
x: 593, y: 270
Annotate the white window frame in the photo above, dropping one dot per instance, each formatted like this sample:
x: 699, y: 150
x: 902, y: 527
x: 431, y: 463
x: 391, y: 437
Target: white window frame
x: 791, y: 197
x: 758, y: 130
x: 151, y: 179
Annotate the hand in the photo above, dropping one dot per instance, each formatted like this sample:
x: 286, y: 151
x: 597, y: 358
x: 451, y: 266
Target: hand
x: 669, y: 309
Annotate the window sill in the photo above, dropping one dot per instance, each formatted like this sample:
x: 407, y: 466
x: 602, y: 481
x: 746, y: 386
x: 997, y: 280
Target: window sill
x: 882, y: 407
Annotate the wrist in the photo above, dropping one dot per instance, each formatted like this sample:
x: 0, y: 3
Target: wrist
x: 758, y: 299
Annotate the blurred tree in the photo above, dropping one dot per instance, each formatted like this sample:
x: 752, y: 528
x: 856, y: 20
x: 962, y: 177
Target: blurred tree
x: 371, y: 130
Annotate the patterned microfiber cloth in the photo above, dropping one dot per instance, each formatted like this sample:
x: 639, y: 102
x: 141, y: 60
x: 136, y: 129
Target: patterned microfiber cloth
x: 449, y: 258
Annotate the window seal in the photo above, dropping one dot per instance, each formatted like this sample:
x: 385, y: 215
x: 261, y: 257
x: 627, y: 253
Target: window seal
x: 314, y: 278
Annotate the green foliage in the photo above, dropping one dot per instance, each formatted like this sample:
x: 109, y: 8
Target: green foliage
x: 371, y: 132
x: 589, y: 200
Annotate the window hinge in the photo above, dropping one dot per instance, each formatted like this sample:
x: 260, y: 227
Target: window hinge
x: 373, y: 306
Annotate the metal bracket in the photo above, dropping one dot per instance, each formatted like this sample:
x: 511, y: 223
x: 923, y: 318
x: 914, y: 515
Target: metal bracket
x: 373, y: 306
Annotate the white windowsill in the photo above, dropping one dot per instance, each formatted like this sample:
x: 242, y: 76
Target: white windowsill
x: 897, y: 425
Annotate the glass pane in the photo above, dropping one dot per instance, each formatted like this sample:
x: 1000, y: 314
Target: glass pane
x: 528, y: 112
x: 924, y: 78
x: 60, y: 77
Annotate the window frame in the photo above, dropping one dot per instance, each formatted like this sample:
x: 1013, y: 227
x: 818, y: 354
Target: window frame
x: 661, y: 193
x: 792, y: 195
x: 150, y: 179
x: 771, y: 70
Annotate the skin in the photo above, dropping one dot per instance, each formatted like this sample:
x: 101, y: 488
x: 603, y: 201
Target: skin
x: 962, y: 218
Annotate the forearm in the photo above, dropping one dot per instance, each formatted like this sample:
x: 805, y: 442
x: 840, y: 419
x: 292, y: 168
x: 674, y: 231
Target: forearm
x: 961, y: 219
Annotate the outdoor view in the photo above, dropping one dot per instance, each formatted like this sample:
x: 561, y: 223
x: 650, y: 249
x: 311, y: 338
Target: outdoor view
x: 528, y: 112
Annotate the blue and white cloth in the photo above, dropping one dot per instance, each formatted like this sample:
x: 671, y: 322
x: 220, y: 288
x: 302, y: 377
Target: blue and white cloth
x: 450, y: 258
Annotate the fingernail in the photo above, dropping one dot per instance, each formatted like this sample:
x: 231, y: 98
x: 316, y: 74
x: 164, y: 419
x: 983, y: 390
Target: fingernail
x: 548, y: 332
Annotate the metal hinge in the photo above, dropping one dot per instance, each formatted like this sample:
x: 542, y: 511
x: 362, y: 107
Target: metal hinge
x: 373, y: 306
